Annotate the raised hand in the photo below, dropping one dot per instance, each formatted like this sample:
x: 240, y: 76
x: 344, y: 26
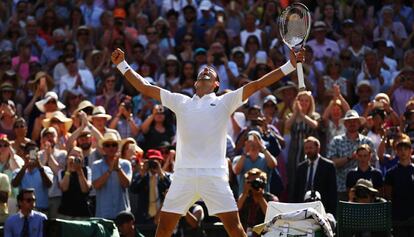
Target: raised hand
x: 117, y: 56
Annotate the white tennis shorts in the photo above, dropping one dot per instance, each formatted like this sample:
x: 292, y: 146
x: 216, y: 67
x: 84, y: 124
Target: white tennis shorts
x: 185, y: 191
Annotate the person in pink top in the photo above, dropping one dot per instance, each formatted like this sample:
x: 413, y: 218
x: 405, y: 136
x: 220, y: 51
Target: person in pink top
x: 21, y: 62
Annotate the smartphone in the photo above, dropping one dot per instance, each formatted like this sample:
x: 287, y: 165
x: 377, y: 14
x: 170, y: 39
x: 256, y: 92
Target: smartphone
x: 378, y: 104
x: 220, y: 18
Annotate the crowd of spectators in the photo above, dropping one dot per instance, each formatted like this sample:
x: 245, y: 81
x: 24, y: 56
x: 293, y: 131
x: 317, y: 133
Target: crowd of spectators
x: 88, y: 144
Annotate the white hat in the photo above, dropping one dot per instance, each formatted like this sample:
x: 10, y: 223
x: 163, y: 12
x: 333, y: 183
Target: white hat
x: 270, y: 98
x: 59, y: 116
x: 238, y: 49
x: 48, y: 130
x: 362, y: 83
x: 109, y: 137
x: 82, y: 105
x: 261, y: 57
x: 205, y: 5
x: 171, y: 57
x: 99, y: 112
x: 351, y: 115
x: 51, y: 95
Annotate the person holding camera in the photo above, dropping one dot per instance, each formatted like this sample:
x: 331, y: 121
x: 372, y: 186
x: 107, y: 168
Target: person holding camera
x: 125, y: 122
x: 255, y: 155
x: 364, y: 169
x: 252, y: 202
x: 34, y: 175
x: 75, y: 182
x: 151, y: 183
x: 364, y: 192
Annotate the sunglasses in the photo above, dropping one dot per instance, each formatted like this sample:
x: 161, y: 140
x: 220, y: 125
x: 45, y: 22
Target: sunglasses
x: 5, y: 145
x: 345, y: 57
x: 51, y: 102
x: 151, y: 33
x: 19, y: 126
x: 83, y: 33
x: 188, y: 40
x: 107, y: 145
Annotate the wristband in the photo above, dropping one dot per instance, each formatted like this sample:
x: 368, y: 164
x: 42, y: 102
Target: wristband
x: 287, y: 68
x: 123, y: 67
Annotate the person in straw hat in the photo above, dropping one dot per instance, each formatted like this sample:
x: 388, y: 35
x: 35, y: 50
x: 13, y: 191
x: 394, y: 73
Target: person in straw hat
x: 111, y: 177
x: 62, y: 124
x: 201, y: 126
x: 341, y: 150
x: 100, y: 119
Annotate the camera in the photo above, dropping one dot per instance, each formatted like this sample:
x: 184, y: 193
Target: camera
x: 152, y: 164
x: 361, y: 192
x: 33, y: 155
x: 257, y: 184
x: 392, y: 132
x: 127, y: 105
x: 78, y: 161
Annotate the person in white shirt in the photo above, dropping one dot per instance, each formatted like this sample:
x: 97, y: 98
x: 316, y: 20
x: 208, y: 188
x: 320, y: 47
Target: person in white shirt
x: 201, y: 168
x: 77, y: 80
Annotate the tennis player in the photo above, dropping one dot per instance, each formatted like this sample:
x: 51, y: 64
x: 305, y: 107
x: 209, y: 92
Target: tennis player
x: 201, y: 167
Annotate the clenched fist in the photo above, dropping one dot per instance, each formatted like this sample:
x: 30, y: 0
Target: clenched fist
x: 117, y: 56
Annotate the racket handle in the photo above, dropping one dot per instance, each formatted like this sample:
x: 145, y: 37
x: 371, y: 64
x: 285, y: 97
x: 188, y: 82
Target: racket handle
x: 301, y: 79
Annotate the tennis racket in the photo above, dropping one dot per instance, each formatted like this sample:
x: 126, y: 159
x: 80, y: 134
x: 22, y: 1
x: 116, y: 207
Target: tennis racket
x: 294, y: 28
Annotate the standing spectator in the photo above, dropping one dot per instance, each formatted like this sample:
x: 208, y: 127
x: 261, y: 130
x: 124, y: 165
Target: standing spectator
x: 364, y: 170
x: 20, y: 130
x: 341, y: 150
x: 75, y: 182
x: 157, y: 128
x: 50, y: 55
x: 316, y: 173
x: 7, y: 118
x: 9, y: 162
x: 91, y: 13
x: 21, y: 62
x: 331, y: 79
x: 373, y: 71
x: 62, y: 124
x: 187, y: 78
x: 357, y: 47
x: 151, y: 184
x: 364, y: 92
x: 251, y: 29
x: 109, y: 98
x: 190, y: 17
x: 34, y: 175
x: 27, y: 222
x: 402, y: 90
x: 303, y: 122
x: 111, y: 177
x: 125, y: 121
x: 54, y: 157
x: 252, y: 202
x: 171, y: 77
x: 255, y: 155
x: 398, y: 188
x: 100, y: 118
x: 226, y: 69
x: 79, y: 80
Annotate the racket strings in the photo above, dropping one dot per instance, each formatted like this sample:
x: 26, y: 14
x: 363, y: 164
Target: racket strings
x: 295, y: 26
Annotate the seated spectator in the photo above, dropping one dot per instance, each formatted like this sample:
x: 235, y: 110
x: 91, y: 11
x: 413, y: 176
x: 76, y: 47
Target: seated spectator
x: 109, y: 97
x: 151, y: 183
x: 190, y: 224
x: 7, y: 118
x: 125, y: 221
x: 99, y: 119
x: 364, y: 92
x: 252, y: 202
x: 398, y: 188
x: 402, y: 90
x: 364, y: 170
x: 75, y: 182
x: 364, y: 192
x: 27, y: 222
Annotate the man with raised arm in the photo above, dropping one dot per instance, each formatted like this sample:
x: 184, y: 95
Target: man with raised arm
x: 201, y: 167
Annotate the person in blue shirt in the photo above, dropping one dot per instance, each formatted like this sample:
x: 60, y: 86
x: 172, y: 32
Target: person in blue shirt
x: 111, y: 177
x: 27, y: 222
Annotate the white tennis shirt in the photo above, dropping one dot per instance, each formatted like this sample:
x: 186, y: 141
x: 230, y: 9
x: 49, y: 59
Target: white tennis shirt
x: 201, y: 127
